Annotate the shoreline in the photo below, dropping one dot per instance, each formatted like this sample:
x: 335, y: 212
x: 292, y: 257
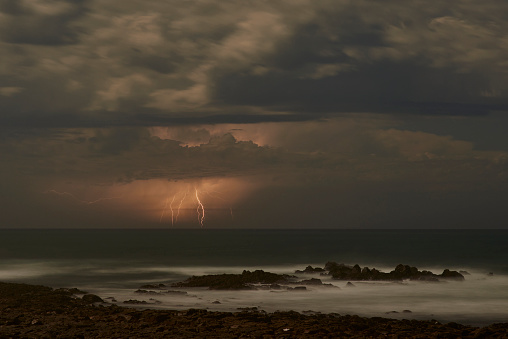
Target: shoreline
x: 38, y: 311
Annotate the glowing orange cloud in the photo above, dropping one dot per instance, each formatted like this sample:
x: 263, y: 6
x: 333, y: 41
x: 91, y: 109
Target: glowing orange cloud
x: 162, y: 201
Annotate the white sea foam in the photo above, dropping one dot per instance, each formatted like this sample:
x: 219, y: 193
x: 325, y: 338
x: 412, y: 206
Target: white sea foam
x: 479, y: 300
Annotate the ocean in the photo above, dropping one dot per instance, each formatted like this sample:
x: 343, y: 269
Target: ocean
x: 115, y: 263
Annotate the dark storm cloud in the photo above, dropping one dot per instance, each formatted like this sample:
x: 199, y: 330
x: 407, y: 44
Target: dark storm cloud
x: 381, y: 57
x: 327, y: 174
x: 379, y: 105
x: 128, y: 154
x: 362, y: 153
x: 386, y: 87
x: 41, y: 22
x: 73, y: 63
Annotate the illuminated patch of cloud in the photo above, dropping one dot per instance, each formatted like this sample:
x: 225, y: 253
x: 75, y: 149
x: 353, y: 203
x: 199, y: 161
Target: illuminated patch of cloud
x: 9, y: 91
x: 200, y: 58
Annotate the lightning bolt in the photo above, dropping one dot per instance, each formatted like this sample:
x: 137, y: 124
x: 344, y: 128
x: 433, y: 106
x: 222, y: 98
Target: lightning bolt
x: 86, y: 202
x: 201, y: 215
x: 180, y: 205
x: 164, y: 209
x: 172, y: 212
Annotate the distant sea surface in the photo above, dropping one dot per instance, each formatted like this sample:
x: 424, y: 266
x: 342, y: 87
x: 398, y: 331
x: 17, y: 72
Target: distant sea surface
x: 114, y: 263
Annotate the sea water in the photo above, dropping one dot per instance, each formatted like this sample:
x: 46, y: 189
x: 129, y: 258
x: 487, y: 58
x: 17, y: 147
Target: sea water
x: 115, y: 263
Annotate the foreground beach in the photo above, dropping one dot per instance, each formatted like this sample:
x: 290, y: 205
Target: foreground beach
x: 29, y: 311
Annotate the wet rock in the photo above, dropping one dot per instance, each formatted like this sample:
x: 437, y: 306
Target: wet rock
x: 23, y: 304
x: 311, y: 312
x: 350, y: 284
x: 152, y: 287
x: 92, y: 298
x: 401, y: 272
x: 71, y: 290
x: 275, y: 287
x: 242, y: 281
x: 248, y: 309
x: 297, y: 288
x: 176, y: 292
x: 16, y: 321
x: 464, y: 273
x: 135, y: 302
x: 312, y: 281
x: 451, y: 275
x: 147, y: 292
x: 310, y: 269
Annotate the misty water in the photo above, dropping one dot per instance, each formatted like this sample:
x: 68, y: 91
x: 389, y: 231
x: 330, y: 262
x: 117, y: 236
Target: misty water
x: 115, y: 263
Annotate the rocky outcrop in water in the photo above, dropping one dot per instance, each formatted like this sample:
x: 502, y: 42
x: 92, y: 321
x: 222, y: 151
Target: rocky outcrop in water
x: 401, y: 272
x: 310, y: 269
x: 251, y: 280
x: 242, y: 281
x: 152, y: 287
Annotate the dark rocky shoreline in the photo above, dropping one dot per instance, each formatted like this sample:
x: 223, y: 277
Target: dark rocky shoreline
x: 248, y: 280
x: 29, y: 311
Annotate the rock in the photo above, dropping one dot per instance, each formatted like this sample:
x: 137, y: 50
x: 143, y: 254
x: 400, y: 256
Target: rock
x: 135, y: 302
x: 152, y: 287
x: 311, y: 312
x: 464, y: 273
x: 16, y: 321
x: 216, y: 302
x: 62, y: 315
x: 329, y: 266
x: 298, y: 288
x: 350, y: 284
x: 310, y: 269
x: 427, y: 278
x: 312, y: 281
x: 92, y: 298
x: 242, y: 281
x: 401, y: 272
x: 407, y: 311
x: 451, y: 275
x: 147, y: 292
x: 331, y: 286
x: 176, y: 292
x: 248, y: 309
x: 70, y: 290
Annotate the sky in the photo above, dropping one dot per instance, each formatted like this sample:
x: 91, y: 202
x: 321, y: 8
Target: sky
x: 253, y: 114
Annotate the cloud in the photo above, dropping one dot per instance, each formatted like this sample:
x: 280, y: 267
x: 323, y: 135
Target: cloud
x: 125, y: 176
x: 40, y: 22
x: 303, y: 102
x: 88, y: 63
x: 9, y: 91
x: 342, y: 149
